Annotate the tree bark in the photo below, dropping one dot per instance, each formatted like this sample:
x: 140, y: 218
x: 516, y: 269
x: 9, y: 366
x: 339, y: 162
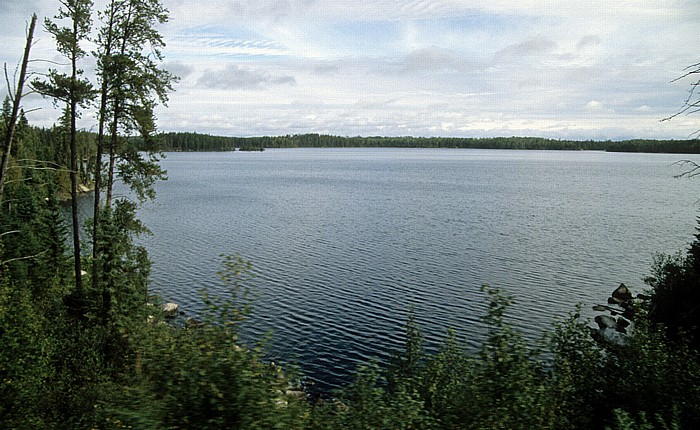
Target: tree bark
x: 104, y: 94
x: 74, y: 171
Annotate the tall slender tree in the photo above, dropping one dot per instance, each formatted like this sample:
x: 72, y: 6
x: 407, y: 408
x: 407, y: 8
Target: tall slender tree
x: 105, y: 42
x: 76, y: 92
x: 135, y: 84
x: 131, y: 85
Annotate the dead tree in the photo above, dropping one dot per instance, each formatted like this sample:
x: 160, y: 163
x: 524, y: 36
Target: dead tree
x: 9, y: 133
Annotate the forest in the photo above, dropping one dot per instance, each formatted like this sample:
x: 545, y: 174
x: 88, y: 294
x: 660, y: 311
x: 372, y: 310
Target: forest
x: 85, y: 344
x: 203, y: 142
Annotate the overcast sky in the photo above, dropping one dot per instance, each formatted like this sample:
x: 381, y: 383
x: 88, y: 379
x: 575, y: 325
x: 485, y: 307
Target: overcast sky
x: 559, y: 69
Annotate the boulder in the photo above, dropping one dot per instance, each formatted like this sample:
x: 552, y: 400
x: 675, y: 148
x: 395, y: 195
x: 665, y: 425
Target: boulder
x: 295, y: 394
x: 605, y: 321
x: 170, y: 309
x: 622, y: 293
x: 615, y: 337
x: 622, y: 325
x: 615, y: 301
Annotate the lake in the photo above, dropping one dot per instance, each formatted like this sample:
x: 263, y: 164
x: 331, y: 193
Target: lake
x: 344, y: 242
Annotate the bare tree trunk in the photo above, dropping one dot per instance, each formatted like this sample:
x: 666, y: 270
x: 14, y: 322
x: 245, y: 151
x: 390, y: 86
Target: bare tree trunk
x: 112, y: 159
x: 74, y: 173
x: 9, y: 134
x: 104, y: 94
x: 117, y: 110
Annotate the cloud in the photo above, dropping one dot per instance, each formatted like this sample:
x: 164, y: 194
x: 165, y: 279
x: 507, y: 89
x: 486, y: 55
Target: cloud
x: 528, y: 48
x: 596, y: 107
x: 179, y: 69
x: 10, y: 6
x: 451, y: 67
x: 433, y: 59
x: 236, y: 77
x: 587, y: 42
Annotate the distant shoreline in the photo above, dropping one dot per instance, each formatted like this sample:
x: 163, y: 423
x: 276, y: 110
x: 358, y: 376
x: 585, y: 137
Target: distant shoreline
x: 196, y: 142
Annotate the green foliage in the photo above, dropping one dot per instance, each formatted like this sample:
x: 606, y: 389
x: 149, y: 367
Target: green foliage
x: 624, y: 421
x: 59, y: 86
x: 647, y: 375
x: 205, y: 142
x: 675, y: 293
x: 201, y: 377
x: 367, y: 404
x: 649, y: 382
x: 116, y: 363
x: 49, y: 365
x: 128, y: 57
x: 504, y: 386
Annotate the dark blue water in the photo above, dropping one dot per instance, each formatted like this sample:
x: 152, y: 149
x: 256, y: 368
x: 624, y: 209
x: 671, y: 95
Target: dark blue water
x: 345, y: 241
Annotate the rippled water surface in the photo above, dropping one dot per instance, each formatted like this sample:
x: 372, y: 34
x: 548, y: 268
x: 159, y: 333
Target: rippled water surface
x: 345, y: 241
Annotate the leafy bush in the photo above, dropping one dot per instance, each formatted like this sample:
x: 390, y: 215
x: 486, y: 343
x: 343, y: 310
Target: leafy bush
x: 201, y: 377
x: 675, y: 293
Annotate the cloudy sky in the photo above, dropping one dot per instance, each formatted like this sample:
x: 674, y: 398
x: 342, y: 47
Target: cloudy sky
x: 559, y: 69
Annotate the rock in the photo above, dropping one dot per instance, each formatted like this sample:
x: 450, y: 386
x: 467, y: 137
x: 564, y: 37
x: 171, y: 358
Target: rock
x: 170, y: 309
x: 605, y: 321
x: 614, y: 301
x: 622, y: 293
x: 600, y: 308
x: 622, y: 325
x: 615, y: 337
x: 295, y: 394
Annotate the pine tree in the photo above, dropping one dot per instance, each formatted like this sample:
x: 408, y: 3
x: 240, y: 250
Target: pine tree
x: 75, y: 92
x: 131, y: 84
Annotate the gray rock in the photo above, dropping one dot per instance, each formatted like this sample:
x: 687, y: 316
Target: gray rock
x: 622, y: 293
x: 615, y: 301
x: 622, y: 325
x: 170, y: 309
x: 605, y: 321
x: 295, y: 394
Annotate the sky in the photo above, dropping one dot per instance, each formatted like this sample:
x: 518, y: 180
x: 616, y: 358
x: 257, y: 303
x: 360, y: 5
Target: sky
x: 596, y: 69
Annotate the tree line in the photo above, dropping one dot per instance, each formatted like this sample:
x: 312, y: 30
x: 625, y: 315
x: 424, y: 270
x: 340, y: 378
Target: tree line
x: 178, y: 141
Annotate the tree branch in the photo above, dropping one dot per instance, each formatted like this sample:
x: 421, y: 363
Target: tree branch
x: 23, y: 258
x: 693, y: 171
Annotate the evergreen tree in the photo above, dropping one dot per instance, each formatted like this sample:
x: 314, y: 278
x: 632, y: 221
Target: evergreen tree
x: 131, y: 83
x: 75, y: 92
x: 675, y: 294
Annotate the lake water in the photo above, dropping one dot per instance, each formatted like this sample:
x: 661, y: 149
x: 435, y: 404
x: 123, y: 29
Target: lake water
x: 345, y: 241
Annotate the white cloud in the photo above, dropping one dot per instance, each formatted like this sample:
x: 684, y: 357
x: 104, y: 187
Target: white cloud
x: 594, y: 106
x: 598, y: 69
x: 235, y: 77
